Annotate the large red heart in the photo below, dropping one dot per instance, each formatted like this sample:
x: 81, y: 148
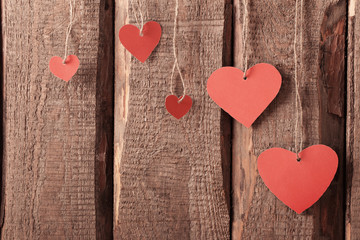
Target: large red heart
x: 243, y: 99
x: 176, y: 107
x: 298, y: 184
x: 138, y: 45
x: 66, y: 70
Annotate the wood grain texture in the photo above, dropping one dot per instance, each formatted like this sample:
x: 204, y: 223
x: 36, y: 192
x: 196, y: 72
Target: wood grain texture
x: 168, y: 176
x: 2, y: 185
x: 51, y: 126
x: 258, y: 214
x: 353, y: 124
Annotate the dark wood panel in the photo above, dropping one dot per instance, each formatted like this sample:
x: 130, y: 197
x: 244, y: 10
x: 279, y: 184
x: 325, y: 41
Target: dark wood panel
x: 104, y: 145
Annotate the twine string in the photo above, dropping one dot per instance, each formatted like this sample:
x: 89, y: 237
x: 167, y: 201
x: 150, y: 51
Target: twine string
x: 69, y: 27
x: 244, y: 37
x: 298, y: 105
x: 140, y: 13
x: 176, y: 64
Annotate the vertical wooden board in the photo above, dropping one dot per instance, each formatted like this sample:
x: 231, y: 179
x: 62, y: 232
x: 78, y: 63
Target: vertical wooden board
x: 168, y: 176
x: 50, y: 126
x: 257, y: 213
x: 2, y: 187
x: 122, y: 70
x: 353, y: 124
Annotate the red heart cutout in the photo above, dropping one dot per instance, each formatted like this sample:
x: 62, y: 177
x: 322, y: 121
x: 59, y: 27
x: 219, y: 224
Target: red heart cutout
x: 298, y: 184
x: 243, y: 99
x: 175, y: 107
x: 140, y: 46
x: 66, y: 70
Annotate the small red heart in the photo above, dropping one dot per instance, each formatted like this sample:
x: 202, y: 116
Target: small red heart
x: 176, y: 107
x: 66, y: 70
x: 140, y: 46
x: 298, y: 184
x: 243, y: 99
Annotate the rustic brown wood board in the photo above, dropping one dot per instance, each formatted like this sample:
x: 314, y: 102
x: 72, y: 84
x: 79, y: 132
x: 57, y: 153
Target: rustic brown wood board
x: 257, y: 212
x: 55, y: 150
x: 99, y: 157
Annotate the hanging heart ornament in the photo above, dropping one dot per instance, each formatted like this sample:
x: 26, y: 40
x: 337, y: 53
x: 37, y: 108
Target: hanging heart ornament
x: 176, y: 107
x: 140, y: 45
x: 298, y: 184
x: 244, y: 99
x: 64, y: 70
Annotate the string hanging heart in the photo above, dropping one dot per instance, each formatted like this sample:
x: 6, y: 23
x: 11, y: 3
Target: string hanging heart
x: 177, y: 106
x: 244, y: 95
x: 66, y: 67
x: 298, y: 179
x: 140, y: 42
x: 298, y: 184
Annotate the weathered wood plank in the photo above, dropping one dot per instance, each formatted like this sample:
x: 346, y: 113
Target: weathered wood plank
x: 51, y: 127
x: 2, y: 185
x: 168, y: 177
x: 258, y: 214
x: 353, y: 124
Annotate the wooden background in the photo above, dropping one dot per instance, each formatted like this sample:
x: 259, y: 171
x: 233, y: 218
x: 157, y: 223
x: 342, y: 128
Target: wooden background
x: 100, y: 157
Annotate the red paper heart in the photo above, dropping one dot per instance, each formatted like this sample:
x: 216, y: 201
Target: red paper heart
x: 243, y: 99
x: 175, y: 107
x: 66, y: 70
x: 140, y: 46
x: 298, y: 184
